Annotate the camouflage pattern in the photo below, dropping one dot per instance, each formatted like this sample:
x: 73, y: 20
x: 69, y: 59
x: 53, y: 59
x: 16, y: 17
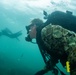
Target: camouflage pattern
x: 59, y: 39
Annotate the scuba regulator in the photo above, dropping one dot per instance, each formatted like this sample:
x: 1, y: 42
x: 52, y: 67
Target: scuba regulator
x: 28, y: 39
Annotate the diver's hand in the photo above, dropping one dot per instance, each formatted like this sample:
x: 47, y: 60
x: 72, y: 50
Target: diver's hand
x: 55, y: 71
x: 42, y: 72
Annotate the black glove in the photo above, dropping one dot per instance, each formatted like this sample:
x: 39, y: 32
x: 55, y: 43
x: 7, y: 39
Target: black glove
x: 41, y: 72
x: 55, y: 71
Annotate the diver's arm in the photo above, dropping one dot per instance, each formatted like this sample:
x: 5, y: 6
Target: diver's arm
x: 46, y: 69
x: 49, y: 65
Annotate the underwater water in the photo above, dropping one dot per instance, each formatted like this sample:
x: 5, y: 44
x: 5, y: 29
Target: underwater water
x: 18, y: 57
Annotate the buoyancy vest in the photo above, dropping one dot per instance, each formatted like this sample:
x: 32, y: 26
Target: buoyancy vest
x: 56, y: 41
x: 43, y: 48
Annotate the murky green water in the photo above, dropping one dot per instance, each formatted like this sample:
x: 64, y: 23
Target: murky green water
x: 18, y: 57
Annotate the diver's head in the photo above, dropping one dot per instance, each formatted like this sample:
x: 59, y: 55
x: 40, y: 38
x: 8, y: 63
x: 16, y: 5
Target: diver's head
x: 31, y: 29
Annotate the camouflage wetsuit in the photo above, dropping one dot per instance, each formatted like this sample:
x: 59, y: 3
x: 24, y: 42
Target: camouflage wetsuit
x: 59, y: 39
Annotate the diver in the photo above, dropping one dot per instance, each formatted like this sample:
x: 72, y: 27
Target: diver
x: 8, y: 33
x: 56, y: 40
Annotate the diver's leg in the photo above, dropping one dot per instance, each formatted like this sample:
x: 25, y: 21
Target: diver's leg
x: 18, y: 33
x: 8, y: 30
x: 15, y: 35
